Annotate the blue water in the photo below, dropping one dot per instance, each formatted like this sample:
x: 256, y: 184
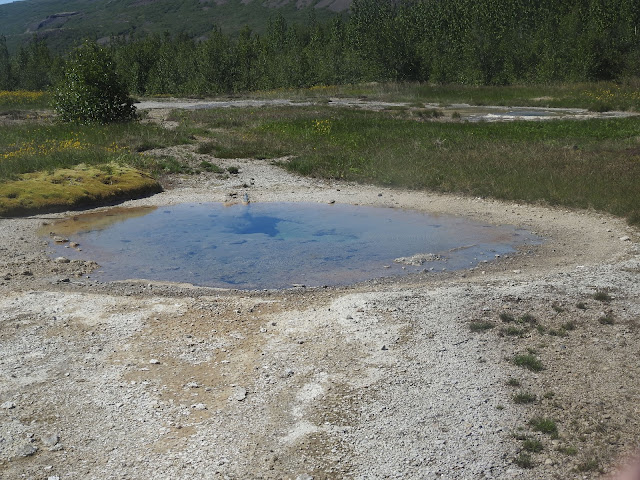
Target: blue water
x: 277, y: 245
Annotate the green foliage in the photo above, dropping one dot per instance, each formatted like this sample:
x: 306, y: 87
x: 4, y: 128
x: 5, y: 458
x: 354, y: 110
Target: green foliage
x: 91, y: 91
x: 544, y: 425
x: 530, y: 362
x: 480, y: 326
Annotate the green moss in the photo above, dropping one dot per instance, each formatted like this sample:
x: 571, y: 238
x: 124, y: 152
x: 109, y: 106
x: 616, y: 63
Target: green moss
x: 69, y: 188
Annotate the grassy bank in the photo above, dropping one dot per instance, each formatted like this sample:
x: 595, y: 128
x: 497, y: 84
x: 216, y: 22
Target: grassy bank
x: 47, y: 166
x: 585, y: 164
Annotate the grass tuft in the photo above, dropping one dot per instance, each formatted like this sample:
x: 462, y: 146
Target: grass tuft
x: 602, y: 296
x: 530, y: 362
x: 532, y: 445
x: 544, y: 425
x: 524, y: 398
x: 480, y: 326
x: 523, y: 460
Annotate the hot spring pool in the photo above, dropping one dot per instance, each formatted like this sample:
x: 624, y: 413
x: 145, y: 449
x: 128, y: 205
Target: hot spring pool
x: 278, y: 245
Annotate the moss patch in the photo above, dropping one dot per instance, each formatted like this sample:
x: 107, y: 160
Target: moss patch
x: 75, y: 187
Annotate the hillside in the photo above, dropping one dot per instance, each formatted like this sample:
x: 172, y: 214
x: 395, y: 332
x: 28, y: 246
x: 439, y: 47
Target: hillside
x: 64, y: 22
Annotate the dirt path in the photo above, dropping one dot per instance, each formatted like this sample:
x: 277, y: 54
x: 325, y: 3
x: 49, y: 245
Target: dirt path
x: 144, y: 380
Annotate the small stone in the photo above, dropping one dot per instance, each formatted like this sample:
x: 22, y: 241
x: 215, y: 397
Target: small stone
x: 53, y: 477
x: 625, y: 239
x: 238, y: 394
x: 62, y: 260
x: 331, y: 202
x: 8, y: 405
x: 384, y: 347
x: 58, y: 239
x: 192, y: 385
x: 154, y: 361
x: 27, y: 450
x: 199, y: 406
x: 548, y: 461
x: 74, y: 244
x: 51, y: 440
x: 304, y: 476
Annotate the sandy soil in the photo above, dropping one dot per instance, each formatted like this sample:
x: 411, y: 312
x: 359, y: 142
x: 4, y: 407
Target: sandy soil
x: 386, y: 379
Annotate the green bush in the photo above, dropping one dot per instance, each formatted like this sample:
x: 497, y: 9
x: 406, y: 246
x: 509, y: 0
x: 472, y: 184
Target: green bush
x: 90, y: 90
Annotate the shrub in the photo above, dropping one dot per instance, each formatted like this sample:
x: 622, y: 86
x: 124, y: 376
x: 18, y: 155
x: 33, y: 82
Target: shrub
x: 90, y: 90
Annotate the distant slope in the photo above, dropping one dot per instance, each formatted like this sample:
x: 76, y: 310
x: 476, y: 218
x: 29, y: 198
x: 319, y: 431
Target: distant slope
x: 66, y: 22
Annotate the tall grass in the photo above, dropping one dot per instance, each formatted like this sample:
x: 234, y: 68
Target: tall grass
x: 32, y: 147
x: 585, y: 164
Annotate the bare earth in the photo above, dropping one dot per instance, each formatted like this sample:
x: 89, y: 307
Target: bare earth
x: 140, y: 380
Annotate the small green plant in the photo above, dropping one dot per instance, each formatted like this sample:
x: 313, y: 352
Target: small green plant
x: 530, y: 362
x: 557, y: 333
x: 523, y: 460
x: 528, y: 318
x: 480, y: 326
x: 532, y: 445
x: 506, y: 317
x: 549, y: 394
x: 499, y: 407
x: 568, y: 450
x: 602, y: 296
x: 607, y: 320
x: 557, y: 307
x: 512, y: 331
x: 206, y: 148
x: 544, y: 425
x: 581, y: 305
x: 513, y: 382
x: 456, y: 115
x: 588, y: 466
x: 524, y: 398
x: 233, y: 170
x: 210, y: 167
x: 570, y: 325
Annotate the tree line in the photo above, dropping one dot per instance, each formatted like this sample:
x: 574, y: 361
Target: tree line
x: 484, y: 42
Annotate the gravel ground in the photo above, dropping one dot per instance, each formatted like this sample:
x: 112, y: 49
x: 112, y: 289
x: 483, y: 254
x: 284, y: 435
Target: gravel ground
x: 385, y: 379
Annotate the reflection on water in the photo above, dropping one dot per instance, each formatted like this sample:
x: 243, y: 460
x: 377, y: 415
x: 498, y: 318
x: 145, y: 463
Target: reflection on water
x: 276, y: 245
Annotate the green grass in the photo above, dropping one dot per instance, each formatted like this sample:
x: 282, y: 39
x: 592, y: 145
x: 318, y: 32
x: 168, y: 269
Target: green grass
x: 602, y: 296
x: 544, y: 425
x: 513, y: 382
x: 14, y: 103
x: 480, y: 326
x: 533, y: 162
x: 528, y: 361
x: 523, y: 460
x: 593, y: 96
x: 524, y: 398
x: 512, y: 331
x: 34, y: 146
x: 532, y: 445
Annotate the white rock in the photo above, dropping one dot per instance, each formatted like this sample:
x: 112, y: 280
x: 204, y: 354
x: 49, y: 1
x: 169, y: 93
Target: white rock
x: 154, y: 361
x: 625, y: 239
x: 8, y: 405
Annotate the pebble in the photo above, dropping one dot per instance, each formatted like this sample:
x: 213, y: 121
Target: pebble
x: 239, y: 394
x: 58, y: 239
x: 199, y: 406
x: 304, y: 477
x: 27, y: 450
x: 62, y: 260
x: 154, y: 361
x: 625, y: 239
x: 8, y: 405
x: 51, y: 440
